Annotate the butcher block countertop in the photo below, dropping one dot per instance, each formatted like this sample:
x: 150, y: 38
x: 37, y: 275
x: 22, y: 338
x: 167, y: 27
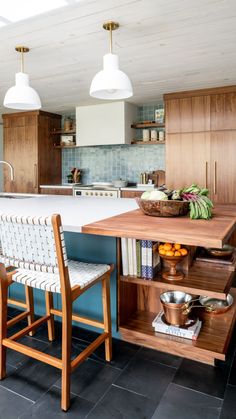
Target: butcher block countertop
x: 206, y: 233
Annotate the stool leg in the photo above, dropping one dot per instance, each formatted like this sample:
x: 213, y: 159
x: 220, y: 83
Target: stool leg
x: 29, y: 298
x: 3, y: 326
x: 66, y: 355
x: 50, y: 322
x: 107, y: 316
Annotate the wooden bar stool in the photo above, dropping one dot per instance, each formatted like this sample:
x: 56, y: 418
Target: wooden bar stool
x: 34, y: 254
x: 27, y: 305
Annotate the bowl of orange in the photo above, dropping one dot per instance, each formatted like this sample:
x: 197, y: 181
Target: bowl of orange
x: 173, y: 253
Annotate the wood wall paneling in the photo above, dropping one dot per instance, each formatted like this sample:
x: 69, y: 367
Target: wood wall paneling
x: 223, y: 111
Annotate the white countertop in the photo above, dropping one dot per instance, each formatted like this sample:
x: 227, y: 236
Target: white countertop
x: 75, y: 211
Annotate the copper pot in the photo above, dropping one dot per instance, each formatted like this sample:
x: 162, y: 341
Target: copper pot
x: 176, y: 307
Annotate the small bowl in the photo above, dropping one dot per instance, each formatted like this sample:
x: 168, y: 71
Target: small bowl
x: 119, y: 183
x: 165, y: 208
x: 216, y: 305
x: 226, y: 251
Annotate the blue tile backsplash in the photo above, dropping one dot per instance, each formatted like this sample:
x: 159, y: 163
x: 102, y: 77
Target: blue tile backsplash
x: 107, y: 163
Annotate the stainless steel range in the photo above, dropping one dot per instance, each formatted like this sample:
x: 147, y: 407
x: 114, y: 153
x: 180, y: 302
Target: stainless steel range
x: 97, y: 190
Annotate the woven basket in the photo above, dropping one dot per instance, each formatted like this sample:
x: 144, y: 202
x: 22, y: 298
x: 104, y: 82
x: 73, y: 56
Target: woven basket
x: 163, y: 208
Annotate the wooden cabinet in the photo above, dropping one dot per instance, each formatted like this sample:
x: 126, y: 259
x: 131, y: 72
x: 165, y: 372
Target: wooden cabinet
x: 29, y: 148
x: 187, y: 159
x: 201, y: 141
x: 191, y: 114
x: 131, y: 194
x: 56, y: 191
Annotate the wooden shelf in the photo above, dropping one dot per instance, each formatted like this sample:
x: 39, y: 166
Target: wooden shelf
x: 211, y: 344
x: 211, y: 282
x: 65, y: 146
x: 148, y: 124
x: 56, y: 132
x: 140, y: 142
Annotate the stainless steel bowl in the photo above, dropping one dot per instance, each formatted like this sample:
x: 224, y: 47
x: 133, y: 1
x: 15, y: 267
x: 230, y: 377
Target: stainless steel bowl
x: 175, y: 297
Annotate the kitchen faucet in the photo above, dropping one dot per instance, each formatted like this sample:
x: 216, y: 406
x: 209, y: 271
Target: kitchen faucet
x: 10, y: 166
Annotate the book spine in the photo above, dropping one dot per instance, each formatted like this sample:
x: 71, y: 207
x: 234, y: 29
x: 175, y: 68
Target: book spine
x: 130, y: 257
x: 138, y: 251
x: 134, y: 257
x: 171, y: 331
x: 149, y: 260
x: 143, y: 258
x: 124, y: 255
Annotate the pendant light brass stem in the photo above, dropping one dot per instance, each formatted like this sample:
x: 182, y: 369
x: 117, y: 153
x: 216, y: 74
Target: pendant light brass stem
x: 110, y: 26
x: 22, y: 50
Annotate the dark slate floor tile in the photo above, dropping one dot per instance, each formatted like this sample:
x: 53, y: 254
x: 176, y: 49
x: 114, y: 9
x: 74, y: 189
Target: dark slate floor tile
x: 204, y: 378
x: 12, y: 405
x: 17, y: 359
x: 49, y: 407
x: 146, y: 377
x: 229, y: 405
x: 32, y: 379
x: 13, y: 311
x: 161, y: 357
x: 182, y: 403
x: 122, y: 352
x: 232, y: 376
x: 84, y: 334
x: 91, y: 380
x: 119, y: 403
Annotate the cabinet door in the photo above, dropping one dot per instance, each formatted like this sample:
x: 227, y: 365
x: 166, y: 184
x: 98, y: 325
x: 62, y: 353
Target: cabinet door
x: 20, y: 150
x: 223, y: 167
x: 131, y: 194
x: 191, y: 114
x: 223, y: 111
x: 187, y: 159
x: 56, y: 191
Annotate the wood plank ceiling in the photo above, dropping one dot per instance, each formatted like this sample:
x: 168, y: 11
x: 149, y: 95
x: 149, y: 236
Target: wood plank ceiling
x: 163, y: 45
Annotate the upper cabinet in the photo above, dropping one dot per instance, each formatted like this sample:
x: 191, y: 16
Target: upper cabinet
x: 105, y: 124
x: 201, y: 111
x: 28, y: 146
x: 191, y: 114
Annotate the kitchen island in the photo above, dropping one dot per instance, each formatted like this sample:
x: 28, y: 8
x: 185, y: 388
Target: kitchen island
x: 99, y: 223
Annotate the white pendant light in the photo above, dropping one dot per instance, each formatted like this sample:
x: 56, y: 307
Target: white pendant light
x: 22, y: 96
x: 111, y: 83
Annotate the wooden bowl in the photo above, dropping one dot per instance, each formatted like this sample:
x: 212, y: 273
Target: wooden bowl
x: 166, y: 208
x: 172, y: 274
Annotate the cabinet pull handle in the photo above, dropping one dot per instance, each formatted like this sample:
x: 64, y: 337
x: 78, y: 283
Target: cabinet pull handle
x: 215, y: 177
x: 35, y: 176
x: 206, y: 173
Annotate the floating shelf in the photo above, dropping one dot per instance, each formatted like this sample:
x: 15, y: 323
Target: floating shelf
x: 148, y: 124
x: 140, y: 142
x: 65, y: 146
x: 62, y: 132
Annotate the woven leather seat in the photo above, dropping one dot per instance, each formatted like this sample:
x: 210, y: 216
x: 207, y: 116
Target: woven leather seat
x: 34, y: 254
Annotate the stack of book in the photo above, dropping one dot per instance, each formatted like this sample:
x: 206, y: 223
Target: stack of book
x: 140, y: 258
x: 189, y: 331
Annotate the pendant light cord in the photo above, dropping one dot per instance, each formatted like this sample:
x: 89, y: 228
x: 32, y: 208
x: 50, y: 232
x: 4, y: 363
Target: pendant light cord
x: 22, y: 61
x: 110, y: 38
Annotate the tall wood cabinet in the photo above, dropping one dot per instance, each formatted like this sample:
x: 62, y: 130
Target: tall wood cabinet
x: 28, y: 146
x: 201, y: 141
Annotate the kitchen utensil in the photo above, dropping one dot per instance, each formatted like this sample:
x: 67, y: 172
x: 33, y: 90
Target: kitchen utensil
x: 176, y: 306
x: 215, y: 305
x: 119, y: 183
x: 146, y: 134
x: 172, y: 274
x: 226, y: 251
x: 163, y: 208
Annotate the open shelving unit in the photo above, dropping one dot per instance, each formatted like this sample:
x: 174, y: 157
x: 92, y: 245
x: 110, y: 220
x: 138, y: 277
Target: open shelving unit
x: 141, y: 142
x: 148, y: 125
x: 57, y: 133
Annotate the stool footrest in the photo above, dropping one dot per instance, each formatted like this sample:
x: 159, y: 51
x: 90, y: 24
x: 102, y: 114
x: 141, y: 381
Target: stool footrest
x: 80, y: 319
x: 17, y: 318
x: 86, y: 352
x: 28, y: 329
x: 33, y: 353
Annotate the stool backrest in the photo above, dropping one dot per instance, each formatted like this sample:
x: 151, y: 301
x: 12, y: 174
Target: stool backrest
x: 29, y: 242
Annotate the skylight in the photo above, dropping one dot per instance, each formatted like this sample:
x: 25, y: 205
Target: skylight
x: 15, y: 10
